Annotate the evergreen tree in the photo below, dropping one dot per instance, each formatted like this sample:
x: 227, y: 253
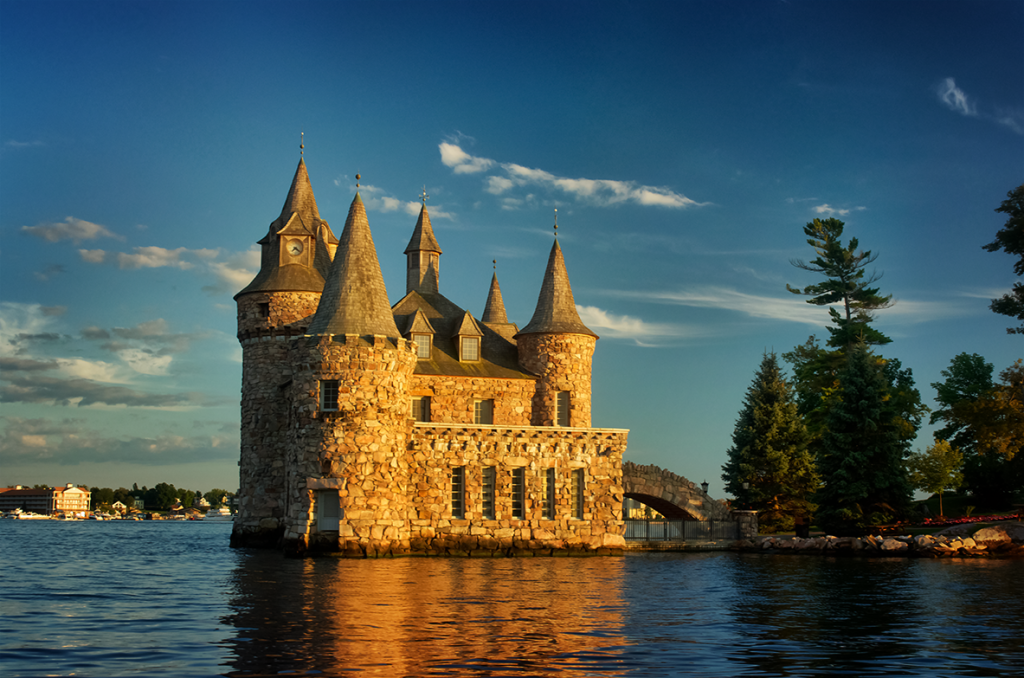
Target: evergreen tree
x: 846, y: 282
x: 861, y: 457
x: 1010, y: 239
x: 769, y: 468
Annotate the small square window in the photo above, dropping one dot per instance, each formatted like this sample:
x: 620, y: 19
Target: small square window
x: 483, y: 411
x: 470, y: 348
x: 329, y: 395
x: 422, y: 342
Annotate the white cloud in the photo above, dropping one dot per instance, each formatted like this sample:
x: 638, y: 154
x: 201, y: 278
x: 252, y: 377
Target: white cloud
x: 829, y: 210
x: 955, y: 98
x: 154, y: 257
x: 600, y: 192
x: 71, y: 228
x: 610, y: 325
x: 461, y: 162
x: 92, y: 256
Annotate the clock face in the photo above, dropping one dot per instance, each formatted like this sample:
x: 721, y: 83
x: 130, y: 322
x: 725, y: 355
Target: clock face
x: 294, y: 247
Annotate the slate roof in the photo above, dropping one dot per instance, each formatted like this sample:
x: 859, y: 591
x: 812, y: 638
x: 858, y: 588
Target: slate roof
x: 423, y: 235
x: 499, y: 357
x: 494, y: 309
x: 355, y: 300
x: 556, y: 308
x: 299, y: 216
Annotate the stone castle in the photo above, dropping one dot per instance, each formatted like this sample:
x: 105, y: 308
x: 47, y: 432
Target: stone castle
x: 373, y: 429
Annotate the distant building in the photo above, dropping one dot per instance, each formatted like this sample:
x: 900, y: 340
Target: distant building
x: 67, y: 499
x: 370, y: 428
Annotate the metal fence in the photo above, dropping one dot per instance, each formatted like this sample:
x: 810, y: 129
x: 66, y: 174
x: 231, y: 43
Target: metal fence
x: 681, y: 530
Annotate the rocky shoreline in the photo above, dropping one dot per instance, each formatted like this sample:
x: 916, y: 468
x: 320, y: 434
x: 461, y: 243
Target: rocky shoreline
x: 1003, y: 540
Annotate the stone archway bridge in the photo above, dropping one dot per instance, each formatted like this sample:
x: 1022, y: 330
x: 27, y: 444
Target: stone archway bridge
x: 671, y: 495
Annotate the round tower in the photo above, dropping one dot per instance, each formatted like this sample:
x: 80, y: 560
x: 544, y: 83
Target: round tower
x: 278, y: 303
x: 557, y: 347
x: 347, y: 470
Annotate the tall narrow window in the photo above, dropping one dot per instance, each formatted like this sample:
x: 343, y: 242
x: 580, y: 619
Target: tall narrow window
x: 422, y: 342
x: 458, y: 492
x: 329, y: 395
x: 421, y: 408
x: 470, y: 348
x: 264, y: 309
x: 562, y: 408
x: 519, y: 492
x: 549, y: 494
x: 576, y: 495
x: 483, y: 411
x: 489, y: 482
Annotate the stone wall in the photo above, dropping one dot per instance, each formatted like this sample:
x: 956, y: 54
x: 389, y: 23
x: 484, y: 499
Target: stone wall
x: 652, y: 481
x: 451, y: 398
x: 433, y: 450
x: 563, y: 363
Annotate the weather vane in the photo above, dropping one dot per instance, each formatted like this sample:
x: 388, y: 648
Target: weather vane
x: 424, y: 196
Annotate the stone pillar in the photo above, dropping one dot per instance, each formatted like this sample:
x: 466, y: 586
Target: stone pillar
x: 563, y: 363
x: 747, y: 523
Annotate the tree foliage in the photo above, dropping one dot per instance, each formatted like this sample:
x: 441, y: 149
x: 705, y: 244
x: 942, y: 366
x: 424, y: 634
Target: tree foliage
x: 861, y: 457
x: 846, y: 282
x: 937, y: 469
x: 769, y: 452
x: 986, y: 421
x: 1010, y: 239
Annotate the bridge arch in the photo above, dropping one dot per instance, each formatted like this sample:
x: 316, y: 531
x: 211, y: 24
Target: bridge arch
x: 671, y: 495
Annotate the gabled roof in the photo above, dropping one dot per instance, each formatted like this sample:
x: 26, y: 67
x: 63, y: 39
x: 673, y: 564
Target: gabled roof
x: 419, y: 324
x: 556, y: 310
x: 467, y: 327
x: 494, y: 309
x: 355, y: 300
x: 423, y: 235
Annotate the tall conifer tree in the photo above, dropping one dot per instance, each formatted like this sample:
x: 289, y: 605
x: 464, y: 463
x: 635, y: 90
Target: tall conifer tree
x: 769, y: 452
x: 863, y: 448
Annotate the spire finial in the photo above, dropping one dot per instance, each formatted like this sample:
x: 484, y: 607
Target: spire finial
x: 495, y: 262
x: 302, y: 142
x: 424, y: 196
x: 358, y: 177
x: 556, y: 222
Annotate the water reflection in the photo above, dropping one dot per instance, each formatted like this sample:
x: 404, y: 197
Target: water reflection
x: 416, y: 616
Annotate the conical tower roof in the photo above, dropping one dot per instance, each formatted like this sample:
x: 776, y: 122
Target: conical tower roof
x: 299, y: 216
x: 494, y: 309
x: 423, y: 239
x: 355, y: 300
x: 556, y: 309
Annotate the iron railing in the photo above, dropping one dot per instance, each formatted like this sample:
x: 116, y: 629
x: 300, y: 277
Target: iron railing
x: 681, y: 530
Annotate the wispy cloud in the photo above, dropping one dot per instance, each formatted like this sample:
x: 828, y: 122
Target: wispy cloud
x: 957, y: 100
x: 376, y: 199
x: 600, y: 192
x: 643, y: 333
x: 830, y: 211
x: 71, y: 228
x: 14, y: 143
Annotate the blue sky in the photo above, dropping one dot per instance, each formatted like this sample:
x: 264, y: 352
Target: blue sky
x: 146, y: 146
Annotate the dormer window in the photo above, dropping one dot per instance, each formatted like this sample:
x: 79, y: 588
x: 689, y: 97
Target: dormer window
x: 423, y: 345
x: 469, y: 349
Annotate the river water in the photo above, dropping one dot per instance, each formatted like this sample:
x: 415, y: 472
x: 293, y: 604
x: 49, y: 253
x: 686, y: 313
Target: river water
x: 172, y: 599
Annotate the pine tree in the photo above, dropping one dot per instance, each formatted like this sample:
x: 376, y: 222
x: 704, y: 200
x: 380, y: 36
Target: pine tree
x: 1010, y: 239
x: 769, y: 452
x: 863, y: 448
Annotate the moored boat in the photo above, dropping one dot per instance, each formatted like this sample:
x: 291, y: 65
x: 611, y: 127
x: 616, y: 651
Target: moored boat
x: 222, y: 514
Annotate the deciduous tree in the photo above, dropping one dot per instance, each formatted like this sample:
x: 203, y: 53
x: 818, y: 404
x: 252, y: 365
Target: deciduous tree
x: 937, y: 469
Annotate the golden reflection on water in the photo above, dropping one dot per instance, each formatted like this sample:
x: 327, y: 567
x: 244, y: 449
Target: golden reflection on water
x: 416, y: 616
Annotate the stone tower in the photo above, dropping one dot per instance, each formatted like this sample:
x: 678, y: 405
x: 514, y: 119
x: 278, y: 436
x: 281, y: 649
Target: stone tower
x: 279, y: 303
x: 422, y: 257
x: 347, y: 470
x: 557, y: 347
